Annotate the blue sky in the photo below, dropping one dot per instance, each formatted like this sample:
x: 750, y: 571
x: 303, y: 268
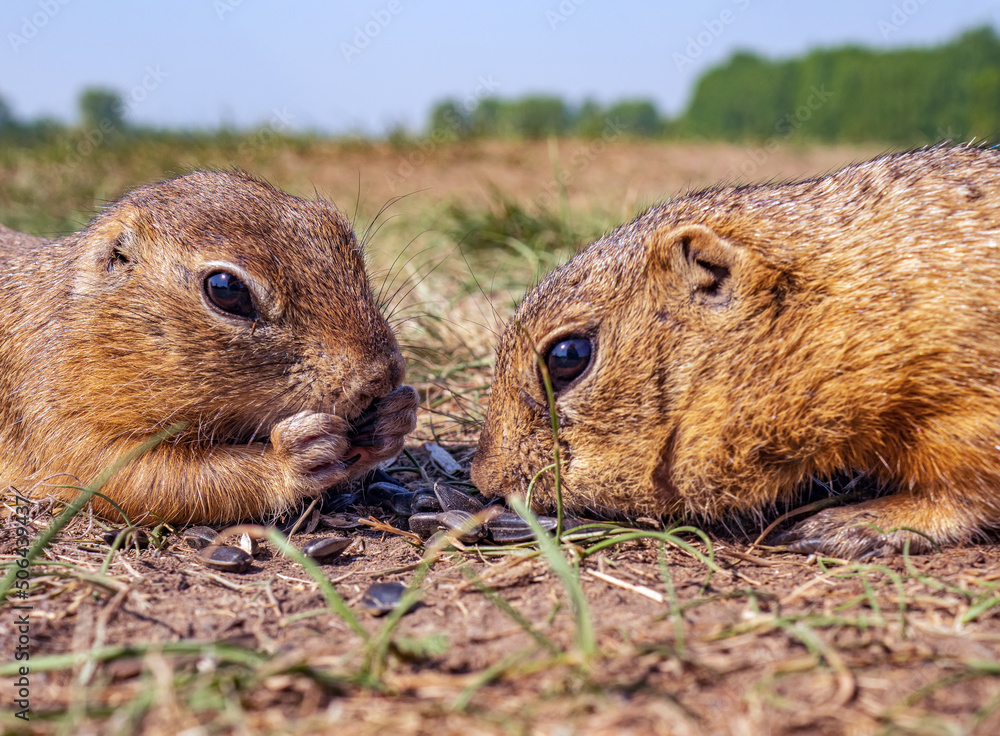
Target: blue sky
x: 365, y: 66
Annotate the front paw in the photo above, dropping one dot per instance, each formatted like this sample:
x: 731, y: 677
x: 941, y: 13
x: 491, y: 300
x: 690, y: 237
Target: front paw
x: 314, y: 449
x: 378, y: 434
x: 851, y: 532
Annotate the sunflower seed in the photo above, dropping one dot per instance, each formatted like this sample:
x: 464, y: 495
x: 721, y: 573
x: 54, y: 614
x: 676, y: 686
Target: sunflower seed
x: 424, y: 499
x: 453, y: 499
x: 424, y: 524
x: 381, y: 598
x: 461, y: 521
x: 326, y: 548
x: 198, y: 537
x: 228, y: 559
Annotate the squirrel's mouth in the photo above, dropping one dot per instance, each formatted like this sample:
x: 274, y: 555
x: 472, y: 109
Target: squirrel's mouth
x: 362, y: 433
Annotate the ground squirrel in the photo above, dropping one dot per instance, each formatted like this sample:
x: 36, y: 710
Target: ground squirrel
x: 213, y: 302
x: 726, y: 347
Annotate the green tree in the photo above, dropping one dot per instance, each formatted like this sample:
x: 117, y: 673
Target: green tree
x: 102, y: 109
x: 910, y: 96
x: 488, y: 117
x: 6, y: 115
x: 539, y: 116
x: 450, y: 121
x: 590, y: 119
x: 636, y: 117
x: 984, y: 105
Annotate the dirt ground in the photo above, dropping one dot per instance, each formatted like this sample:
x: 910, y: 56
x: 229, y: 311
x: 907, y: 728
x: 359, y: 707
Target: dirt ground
x: 768, y: 643
x: 689, y: 638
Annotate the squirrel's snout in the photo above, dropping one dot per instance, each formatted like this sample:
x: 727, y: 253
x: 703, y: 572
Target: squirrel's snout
x: 377, y: 377
x: 486, y: 472
x: 480, y: 475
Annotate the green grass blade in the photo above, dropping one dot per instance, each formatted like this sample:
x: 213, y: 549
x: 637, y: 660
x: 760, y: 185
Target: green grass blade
x: 81, y: 499
x: 549, y: 547
x: 334, y: 601
x: 504, y: 605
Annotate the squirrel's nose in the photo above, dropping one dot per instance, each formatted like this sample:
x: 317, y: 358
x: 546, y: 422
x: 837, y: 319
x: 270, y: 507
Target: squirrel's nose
x: 484, y: 473
x: 377, y: 377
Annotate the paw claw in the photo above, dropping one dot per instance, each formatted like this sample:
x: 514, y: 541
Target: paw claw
x: 853, y: 532
x: 320, y: 450
x: 395, y: 418
x: 795, y: 541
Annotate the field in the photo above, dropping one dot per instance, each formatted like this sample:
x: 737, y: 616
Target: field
x: 670, y: 630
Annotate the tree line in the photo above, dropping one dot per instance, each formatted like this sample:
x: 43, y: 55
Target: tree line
x: 840, y: 95
x: 541, y: 116
x: 852, y: 94
x: 848, y: 94
x: 100, y: 109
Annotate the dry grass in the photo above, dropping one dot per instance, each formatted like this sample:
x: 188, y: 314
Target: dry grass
x: 688, y: 633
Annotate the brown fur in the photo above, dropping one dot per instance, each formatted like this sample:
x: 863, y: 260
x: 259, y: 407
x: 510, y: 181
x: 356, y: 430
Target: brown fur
x: 748, y: 339
x: 106, y: 337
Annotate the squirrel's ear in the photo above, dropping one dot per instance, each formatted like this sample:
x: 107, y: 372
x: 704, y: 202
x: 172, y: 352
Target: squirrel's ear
x: 695, y: 260
x: 116, y: 244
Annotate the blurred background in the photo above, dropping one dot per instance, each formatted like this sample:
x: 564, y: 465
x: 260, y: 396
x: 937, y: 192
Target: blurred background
x: 475, y: 145
x: 898, y: 70
x: 101, y: 98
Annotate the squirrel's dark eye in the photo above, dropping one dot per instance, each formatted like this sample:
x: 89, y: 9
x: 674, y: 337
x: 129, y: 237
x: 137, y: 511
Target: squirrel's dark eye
x: 229, y: 294
x: 567, y: 360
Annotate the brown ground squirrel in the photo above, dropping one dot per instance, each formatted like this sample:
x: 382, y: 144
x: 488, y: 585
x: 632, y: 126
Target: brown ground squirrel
x: 726, y: 347
x: 215, y: 301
